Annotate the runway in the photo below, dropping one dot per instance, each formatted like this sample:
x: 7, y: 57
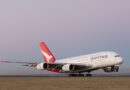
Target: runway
x: 64, y: 83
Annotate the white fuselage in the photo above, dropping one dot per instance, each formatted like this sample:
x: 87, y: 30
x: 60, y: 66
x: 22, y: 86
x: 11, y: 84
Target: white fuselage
x: 108, y: 61
x: 97, y: 60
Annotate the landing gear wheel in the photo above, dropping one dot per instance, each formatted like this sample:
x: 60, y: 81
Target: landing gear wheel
x: 76, y: 75
x: 88, y: 75
x: 117, y: 69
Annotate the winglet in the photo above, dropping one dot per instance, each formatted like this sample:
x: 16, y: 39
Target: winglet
x: 1, y: 62
x: 47, y: 55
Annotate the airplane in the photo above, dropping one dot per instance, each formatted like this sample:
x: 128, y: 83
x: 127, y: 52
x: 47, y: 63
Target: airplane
x: 108, y: 61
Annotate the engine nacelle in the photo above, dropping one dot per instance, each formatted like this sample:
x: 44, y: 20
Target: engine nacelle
x: 111, y: 69
x: 68, y: 67
x: 40, y: 66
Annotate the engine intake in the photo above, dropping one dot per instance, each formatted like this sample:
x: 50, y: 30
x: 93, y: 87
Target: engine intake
x: 111, y: 69
x: 42, y: 66
x: 68, y: 67
x: 45, y: 65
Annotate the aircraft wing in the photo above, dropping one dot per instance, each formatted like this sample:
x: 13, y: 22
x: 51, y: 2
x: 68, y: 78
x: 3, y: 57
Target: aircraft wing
x: 67, y: 67
x: 30, y: 64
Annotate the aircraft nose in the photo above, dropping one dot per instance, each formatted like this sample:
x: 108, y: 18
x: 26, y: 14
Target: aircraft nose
x: 120, y: 60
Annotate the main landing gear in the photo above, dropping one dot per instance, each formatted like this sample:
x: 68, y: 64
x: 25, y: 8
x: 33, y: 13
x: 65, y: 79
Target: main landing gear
x: 88, y: 75
x: 80, y: 75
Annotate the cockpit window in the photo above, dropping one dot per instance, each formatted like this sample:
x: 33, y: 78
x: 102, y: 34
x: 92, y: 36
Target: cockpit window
x: 117, y: 56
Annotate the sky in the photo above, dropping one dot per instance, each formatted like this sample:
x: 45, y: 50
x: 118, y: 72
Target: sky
x: 69, y: 28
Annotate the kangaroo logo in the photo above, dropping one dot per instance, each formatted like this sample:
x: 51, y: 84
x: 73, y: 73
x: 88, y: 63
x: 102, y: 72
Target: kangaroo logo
x: 48, y: 57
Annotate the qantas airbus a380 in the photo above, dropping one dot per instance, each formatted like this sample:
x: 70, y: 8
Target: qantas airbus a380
x: 107, y: 60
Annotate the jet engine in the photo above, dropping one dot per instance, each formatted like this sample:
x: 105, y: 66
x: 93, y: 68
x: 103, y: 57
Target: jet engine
x: 44, y: 66
x: 111, y: 69
x: 68, y: 67
x: 40, y: 66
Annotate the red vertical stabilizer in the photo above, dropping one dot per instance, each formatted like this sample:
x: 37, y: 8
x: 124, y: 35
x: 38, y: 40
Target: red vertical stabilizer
x: 47, y: 55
